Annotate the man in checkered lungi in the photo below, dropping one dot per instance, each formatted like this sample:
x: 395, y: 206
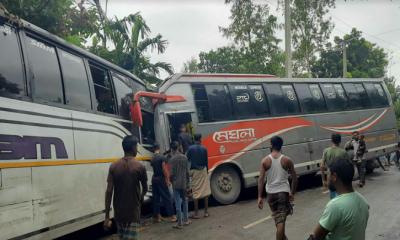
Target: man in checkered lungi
x: 125, y: 179
x: 127, y: 230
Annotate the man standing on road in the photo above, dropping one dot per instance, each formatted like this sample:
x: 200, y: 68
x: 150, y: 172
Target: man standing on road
x: 330, y: 155
x: 346, y: 216
x: 198, y: 159
x: 277, y: 167
x: 184, y: 139
x: 356, y: 148
x: 180, y: 184
x: 160, y: 182
x: 361, y: 163
x: 125, y: 179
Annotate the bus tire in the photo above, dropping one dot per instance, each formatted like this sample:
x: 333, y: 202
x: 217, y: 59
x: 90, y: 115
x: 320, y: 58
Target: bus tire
x: 226, y: 184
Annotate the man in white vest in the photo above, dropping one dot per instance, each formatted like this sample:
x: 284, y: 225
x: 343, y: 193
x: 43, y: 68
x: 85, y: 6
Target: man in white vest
x: 277, y: 168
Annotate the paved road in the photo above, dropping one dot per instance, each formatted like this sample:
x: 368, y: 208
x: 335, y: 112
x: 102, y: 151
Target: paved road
x: 244, y: 220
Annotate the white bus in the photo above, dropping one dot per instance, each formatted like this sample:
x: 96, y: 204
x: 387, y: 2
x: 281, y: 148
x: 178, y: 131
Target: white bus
x: 63, y: 115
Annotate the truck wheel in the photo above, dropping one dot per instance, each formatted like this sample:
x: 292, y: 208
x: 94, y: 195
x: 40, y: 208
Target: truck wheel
x: 225, y: 185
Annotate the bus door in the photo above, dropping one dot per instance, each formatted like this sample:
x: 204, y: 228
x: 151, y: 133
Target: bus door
x: 175, y: 121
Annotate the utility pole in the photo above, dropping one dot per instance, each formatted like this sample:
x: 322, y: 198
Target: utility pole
x: 344, y: 59
x: 288, y: 40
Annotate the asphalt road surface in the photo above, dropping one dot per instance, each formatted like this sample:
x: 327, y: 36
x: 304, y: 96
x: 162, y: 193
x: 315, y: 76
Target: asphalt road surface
x: 243, y: 220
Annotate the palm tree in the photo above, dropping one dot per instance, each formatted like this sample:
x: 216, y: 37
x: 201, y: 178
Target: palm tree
x: 131, y: 41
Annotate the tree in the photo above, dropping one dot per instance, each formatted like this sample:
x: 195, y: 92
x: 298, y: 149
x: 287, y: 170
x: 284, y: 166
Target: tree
x: 221, y: 60
x: 364, y: 59
x: 65, y: 18
x: 191, y: 66
x: 310, y: 32
x: 131, y: 41
x: 395, y: 94
x: 255, y: 48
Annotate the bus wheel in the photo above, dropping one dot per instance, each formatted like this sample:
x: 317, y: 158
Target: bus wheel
x: 225, y: 185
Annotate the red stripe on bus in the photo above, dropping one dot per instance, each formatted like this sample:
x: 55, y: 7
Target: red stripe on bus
x: 236, y: 137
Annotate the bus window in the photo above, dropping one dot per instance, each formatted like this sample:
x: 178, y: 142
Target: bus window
x: 341, y: 96
x: 103, y: 89
x: 220, y: 103
x: 242, y: 105
x: 258, y: 100
x: 376, y: 94
x: 334, y: 96
x: 311, y: 98
x: 201, y: 102
x: 290, y: 99
x: 11, y: 69
x: 46, y: 71
x: 282, y: 98
x: 363, y: 95
x: 357, y: 96
x: 124, y: 95
x: 76, y: 84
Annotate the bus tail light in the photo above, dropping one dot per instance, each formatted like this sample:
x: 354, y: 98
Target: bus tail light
x: 157, y: 98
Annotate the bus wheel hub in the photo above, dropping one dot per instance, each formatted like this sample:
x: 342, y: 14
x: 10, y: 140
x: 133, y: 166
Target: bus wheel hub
x: 225, y: 182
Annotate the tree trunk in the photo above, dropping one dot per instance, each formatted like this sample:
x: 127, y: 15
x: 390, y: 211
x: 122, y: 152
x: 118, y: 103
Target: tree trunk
x: 103, y: 17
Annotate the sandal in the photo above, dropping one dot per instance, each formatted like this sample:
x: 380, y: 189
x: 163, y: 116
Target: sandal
x: 187, y: 223
x: 177, y: 226
x: 206, y: 215
x: 194, y: 216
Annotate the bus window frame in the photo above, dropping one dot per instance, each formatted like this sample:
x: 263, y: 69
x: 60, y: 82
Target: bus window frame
x: 123, y: 79
x: 269, y: 102
x: 229, y: 99
x: 265, y: 114
x: 230, y: 87
x: 29, y: 70
x: 195, y: 101
x: 67, y: 106
x: 372, y: 105
x: 19, y: 33
x: 91, y: 82
x: 307, y: 85
x: 346, y: 100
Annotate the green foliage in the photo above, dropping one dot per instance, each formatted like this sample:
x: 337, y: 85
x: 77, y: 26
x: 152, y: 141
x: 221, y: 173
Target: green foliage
x: 64, y: 18
x: 239, y: 60
x: 395, y: 94
x: 310, y: 32
x: 364, y: 59
x: 191, y: 66
x: 255, y: 48
x: 393, y: 90
x: 131, y: 41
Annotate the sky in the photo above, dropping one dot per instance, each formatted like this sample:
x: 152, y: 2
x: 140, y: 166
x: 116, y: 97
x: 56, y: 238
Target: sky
x: 192, y: 26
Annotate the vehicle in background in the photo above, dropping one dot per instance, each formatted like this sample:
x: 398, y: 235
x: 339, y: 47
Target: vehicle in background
x: 63, y: 115
x: 238, y: 114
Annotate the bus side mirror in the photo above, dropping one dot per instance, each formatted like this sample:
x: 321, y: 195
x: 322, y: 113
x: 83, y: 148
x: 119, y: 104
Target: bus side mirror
x: 136, y: 113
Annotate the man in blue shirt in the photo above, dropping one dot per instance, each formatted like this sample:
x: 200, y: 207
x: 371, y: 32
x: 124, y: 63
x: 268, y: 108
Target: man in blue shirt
x: 198, y: 159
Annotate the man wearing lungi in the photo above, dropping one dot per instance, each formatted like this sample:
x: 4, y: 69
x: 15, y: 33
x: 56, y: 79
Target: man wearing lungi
x: 277, y: 168
x: 198, y: 158
x: 125, y: 179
